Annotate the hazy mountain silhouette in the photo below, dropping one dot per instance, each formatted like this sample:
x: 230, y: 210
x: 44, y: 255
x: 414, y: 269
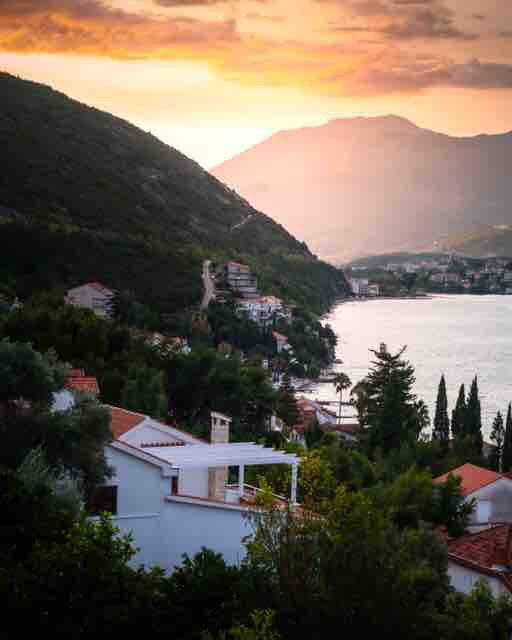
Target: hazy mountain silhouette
x: 367, y: 185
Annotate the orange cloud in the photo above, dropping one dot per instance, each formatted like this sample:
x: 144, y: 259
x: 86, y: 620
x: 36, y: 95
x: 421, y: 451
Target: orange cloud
x: 351, y: 68
x: 91, y: 27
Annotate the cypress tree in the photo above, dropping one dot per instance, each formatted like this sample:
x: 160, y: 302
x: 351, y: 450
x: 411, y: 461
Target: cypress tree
x: 459, y: 414
x: 506, y: 462
x: 473, y: 424
x: 441, y: 430
x: 497, y: 436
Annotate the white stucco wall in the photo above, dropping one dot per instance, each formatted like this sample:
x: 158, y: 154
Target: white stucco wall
x: 193, y: 482
x: 464, y: 580
x: 139, y: 484
x: 193, y: 526
x: 166, y: 527
x: 494, y: 502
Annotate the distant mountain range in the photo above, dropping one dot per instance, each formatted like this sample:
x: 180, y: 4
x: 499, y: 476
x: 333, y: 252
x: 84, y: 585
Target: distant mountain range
x: 87, y: 196
x: 363, y: 186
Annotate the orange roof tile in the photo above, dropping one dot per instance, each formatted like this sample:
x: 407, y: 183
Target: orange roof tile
x: 123, y: 420
x: 480, y: 548
x: 83, y: 384
x: 473, y: 477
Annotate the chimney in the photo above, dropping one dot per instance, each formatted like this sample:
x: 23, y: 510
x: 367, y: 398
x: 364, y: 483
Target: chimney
x: 218, y: 476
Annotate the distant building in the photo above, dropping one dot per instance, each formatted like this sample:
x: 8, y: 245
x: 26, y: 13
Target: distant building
x: 491, y: 491
x: 311, y: 412
x: 373, y: 290
x: 93, y: 296
x: 76, y: 383
x: 484, y: 555
x: 240, y: 279
x: 264, y: 310
x: 359, y: 286
x: 281, y: 342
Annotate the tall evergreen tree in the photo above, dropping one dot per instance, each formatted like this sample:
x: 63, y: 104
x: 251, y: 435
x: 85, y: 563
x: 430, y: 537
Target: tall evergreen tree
x: 459, y: 414
x: 506, y: 461
x: 441, y: 430
x: 473, y: 423
x: 389, y: 411
x: 498, y: 437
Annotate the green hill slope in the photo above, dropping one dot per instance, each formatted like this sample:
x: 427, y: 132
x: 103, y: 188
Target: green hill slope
x: 85, y: 195
x: 485, y: 241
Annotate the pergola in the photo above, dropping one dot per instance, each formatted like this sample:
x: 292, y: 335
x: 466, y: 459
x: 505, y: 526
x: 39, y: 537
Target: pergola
x: 236, y: 454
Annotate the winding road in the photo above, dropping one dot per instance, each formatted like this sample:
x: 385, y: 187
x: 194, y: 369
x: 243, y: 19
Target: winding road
x: 208, y: 284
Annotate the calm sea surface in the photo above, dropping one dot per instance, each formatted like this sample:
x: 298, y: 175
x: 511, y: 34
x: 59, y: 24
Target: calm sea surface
x: 459, y: 336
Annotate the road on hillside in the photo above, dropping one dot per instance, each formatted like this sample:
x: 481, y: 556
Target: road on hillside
x: 208, y: 284
x: 244, y: 221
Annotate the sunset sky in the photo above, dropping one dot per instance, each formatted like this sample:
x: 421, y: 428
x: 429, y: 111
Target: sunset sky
x: 212, y: 77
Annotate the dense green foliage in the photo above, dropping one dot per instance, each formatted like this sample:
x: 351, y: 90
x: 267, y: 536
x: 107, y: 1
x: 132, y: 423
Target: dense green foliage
x: 498, y: 437
x: 360, y: 559
x: 133, y: 374
x: 94, y: 198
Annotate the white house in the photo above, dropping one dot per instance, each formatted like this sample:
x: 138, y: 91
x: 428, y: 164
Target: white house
x: 484, y: 555
x: 171, y: 490
x: 94, y: 296
x: 492, y: 492
x: 359, y: 286
x: 281, y: 341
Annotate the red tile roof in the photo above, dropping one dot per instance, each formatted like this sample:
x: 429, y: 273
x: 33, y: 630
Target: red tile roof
x: 480, y: 547
x: 473, y: 477
x: 124, y: 420
x: 83, y: 384
x: 482, y: 551
x: 279, y: 337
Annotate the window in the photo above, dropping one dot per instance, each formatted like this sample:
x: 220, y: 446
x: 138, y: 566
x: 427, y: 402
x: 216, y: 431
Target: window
x: 103, y: 499
x: 174, y: 485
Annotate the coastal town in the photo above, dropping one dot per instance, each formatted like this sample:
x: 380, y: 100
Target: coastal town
x: 452, y: 274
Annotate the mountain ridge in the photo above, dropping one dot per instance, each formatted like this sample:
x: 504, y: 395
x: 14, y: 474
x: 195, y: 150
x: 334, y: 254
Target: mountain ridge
x: 375, y: 185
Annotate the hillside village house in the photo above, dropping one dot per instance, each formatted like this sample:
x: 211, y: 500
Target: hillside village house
x: 483, y: 555
x: 94, y: 296
x: 359, y: 286
x: 263, y: 310
x: 311, y: 412
x: 171, y: 490
x: 492, y: 492
x: 281, y: 342
x: 240, y: 279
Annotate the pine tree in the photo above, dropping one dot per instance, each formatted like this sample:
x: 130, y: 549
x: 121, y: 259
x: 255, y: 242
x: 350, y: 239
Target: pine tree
x: 506, y: 462
x: 441, y: 430
x: 473, y: 424
x: 497, y: 436
x: 459, y: 414
x: 389, y: 412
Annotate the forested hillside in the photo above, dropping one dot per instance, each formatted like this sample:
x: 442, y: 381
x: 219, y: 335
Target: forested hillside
x: 87, y: 196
